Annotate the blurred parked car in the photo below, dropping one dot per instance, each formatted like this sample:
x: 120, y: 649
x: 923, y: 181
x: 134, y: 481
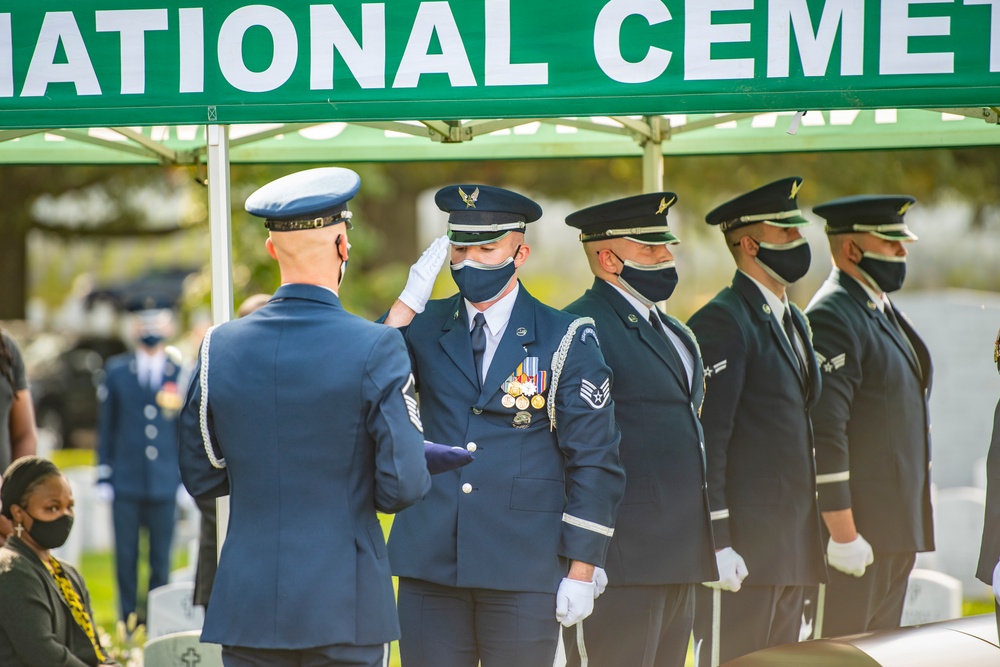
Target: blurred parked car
x: 64, y: 374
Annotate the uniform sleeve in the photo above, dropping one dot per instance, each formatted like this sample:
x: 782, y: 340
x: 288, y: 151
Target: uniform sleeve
x: 393, y: 421
x: 107, y: 418
x: 26, y: 620
x: 17, y: 365
x: 724, y: 352
x: 588, y: 436
x: 838, y: 352
x: 201, y: 478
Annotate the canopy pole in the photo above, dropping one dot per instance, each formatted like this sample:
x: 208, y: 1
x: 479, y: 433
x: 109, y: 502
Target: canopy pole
x: 652, y: 156
x: 221, y: 248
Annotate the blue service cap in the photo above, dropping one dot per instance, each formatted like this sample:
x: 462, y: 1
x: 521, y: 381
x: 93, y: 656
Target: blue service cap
x: 480, y: 214
x: 307, y: 199
x: 642, y: 218
x: 879, y: 215
x: 773, y: 204
x: 148, y: 301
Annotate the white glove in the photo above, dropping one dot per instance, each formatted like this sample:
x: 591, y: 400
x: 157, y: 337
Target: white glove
x: 996, y: 582
x: 574, y: 601
x: 850, y: 557
x: 418, y: 287
x: 104, y: 492
x: 600, y: 581
x: 732, y: 570
x: 184, y: 500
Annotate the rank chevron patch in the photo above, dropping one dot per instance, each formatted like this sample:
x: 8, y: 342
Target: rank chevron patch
x: 412, y: 409
x: 594, y: 396
x: 716, y: 369
x: 833, y: 363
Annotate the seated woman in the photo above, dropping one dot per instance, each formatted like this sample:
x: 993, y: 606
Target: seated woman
x: 45, y: 615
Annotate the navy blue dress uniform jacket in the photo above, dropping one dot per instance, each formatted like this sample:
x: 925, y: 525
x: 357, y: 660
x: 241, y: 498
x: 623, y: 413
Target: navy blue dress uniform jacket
x: 137, y: 431
x: 989, y: 552
x: 871, y: 422
x: 311, y: 409
x: 533, y: 498
x: 758, y: 437
x: 663, y: 534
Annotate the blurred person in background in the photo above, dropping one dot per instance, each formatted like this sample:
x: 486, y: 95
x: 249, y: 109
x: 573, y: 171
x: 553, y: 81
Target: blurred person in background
x: 137, y: 449
x: 19, y: 436
x: 208, y: 535
x: 45, y: 614
x: 989, y: 554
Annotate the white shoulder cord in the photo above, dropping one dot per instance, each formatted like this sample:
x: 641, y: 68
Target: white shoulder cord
x: 558, y: 360
x: 203, y: 405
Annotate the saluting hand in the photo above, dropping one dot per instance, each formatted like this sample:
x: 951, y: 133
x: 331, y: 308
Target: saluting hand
x: 417, y: 291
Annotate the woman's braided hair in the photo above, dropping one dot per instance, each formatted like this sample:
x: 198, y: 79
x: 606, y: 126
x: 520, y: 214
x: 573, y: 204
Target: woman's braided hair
x: 7, y: 363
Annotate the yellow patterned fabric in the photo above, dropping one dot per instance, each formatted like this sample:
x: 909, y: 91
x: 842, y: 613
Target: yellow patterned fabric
x: 80, y: 614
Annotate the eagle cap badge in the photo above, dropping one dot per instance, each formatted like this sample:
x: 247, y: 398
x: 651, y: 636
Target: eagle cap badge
x: 664, y: 204
x: 470, y: 200
x: 795, y: 189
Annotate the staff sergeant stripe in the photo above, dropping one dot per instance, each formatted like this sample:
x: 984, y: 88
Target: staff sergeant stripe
x: 831, y: 477
x: 720, y: 514
x: 587, y: 525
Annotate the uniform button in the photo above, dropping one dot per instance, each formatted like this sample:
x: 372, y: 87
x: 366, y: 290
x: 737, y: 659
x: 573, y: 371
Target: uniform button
x: 477, y: 411
x: 151, y: 453
x: 151, y: 431
x: 466, y: 488
x: 149, y: 411
x: 471, y: 447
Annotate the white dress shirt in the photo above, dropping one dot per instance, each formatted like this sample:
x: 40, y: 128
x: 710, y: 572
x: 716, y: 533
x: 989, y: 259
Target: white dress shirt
x: 778, y: 306
x: 497, y: 317
x: 149, y: 367
x: 644, y: 311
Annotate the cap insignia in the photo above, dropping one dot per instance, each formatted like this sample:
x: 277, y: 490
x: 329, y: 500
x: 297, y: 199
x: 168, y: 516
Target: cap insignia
x: 664, y: 205
x: 470, y: 200
x: 905, y: 207
x: 795, y: 189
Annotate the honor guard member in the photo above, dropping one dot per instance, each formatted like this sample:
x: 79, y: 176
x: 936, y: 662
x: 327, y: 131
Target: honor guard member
x: 871, y: 420
x: 662, y: 546
x: 137, y: 447
x: 502, y: 549
x: 762, y: 377
x: 305, y: 415
x: 989, y: 554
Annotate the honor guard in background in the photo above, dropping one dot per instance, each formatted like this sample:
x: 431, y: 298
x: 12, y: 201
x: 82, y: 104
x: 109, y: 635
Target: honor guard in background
x: 662, y: 546
x: 762, y: 377
x: 137, y: 448
x: 989, y: 554
x: 871, y: 420
x: 502, y: 549
x: 305, y: 415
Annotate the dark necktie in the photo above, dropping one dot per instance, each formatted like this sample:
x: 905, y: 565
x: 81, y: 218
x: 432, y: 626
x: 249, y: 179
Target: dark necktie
x: 891, y: 315
x: 479, y: 344
x: 654, y: 322
x: 786, y: 320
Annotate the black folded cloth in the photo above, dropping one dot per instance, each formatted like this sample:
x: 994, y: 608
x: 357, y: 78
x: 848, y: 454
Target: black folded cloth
x: 442, y: 458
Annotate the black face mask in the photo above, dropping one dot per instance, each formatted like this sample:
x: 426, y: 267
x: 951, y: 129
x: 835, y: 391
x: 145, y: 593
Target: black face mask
x: 785, y: 262
x: 481, y: 283
x: 650, y: 283
x: 51, y: 534
x: 887, y: 272
x: 151, y: 340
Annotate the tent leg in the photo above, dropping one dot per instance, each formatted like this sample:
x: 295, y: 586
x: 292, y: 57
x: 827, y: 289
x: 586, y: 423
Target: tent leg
x: 652, y: 157
x: 220, y: 235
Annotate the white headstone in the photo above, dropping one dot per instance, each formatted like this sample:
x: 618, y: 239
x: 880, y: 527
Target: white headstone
x: 93, y: 516
x: 958, y: 532
x: 931, y: 596
x: 171, y: 609
x: 181, y: 649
